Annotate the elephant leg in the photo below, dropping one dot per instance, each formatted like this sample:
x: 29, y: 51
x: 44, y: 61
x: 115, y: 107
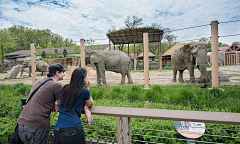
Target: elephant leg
x: 30, y: 71
x: 191, y: 72
x: 123, y: 79
x: 181, y: 76
x: 42, y: 73
x: 129, y: 78
x: 98, y: 78
x: 102, y: 74
x: 174, y: 74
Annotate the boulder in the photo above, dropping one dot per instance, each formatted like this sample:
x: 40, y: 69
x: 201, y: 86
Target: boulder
x: 223, y: 75
x: 14, y: 71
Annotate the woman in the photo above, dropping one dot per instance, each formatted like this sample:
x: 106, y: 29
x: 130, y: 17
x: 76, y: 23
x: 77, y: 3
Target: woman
x: 75, y: 97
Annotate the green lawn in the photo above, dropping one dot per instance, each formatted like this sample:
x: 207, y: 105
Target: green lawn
x: 177, y: 97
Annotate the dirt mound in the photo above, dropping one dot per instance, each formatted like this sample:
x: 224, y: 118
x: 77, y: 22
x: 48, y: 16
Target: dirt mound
x: 91, y: 72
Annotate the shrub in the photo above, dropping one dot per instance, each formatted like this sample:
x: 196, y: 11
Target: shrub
x: 43, y: 54
x: 65, y: 52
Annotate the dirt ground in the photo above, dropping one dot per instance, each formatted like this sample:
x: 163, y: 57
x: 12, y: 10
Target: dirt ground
x: 156, y: 77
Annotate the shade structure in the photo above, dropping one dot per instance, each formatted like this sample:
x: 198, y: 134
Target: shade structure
x: 127, y: 36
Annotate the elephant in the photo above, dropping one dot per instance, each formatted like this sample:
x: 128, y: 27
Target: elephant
x: 186, y: 56
x: 40, y: 66
x: 116, y: 61
x: 220, y: 58
x: 8, y: 64
x: 14, y: 71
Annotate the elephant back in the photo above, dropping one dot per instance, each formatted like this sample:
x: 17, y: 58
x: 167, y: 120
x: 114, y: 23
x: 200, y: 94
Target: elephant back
x: 41, y: 66
x: 117, y: 54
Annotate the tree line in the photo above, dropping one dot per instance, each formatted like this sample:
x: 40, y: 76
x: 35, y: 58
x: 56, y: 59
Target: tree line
x: 18, y: 37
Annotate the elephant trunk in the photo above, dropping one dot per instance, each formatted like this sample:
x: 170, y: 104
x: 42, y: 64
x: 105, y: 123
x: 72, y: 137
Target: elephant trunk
x: 204, y: 76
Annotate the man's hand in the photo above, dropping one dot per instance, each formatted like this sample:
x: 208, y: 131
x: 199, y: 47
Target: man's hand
x: 88, y: 116
x: 87, y: 82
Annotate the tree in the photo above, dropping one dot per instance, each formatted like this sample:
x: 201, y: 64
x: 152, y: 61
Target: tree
x: 133, y: 22
x: 55, y: 52
x: 237, y: 43
x: 65, y: 53
x: 169, y: 37
x: 7, y: 43
x: 76, y: 48
x: 43, y: 54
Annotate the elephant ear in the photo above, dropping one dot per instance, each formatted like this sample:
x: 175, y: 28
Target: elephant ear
x: 96, y: 57
x: 186, y: 48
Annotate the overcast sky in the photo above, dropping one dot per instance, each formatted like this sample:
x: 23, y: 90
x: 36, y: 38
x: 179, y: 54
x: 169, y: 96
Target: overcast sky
x: 86, y: 19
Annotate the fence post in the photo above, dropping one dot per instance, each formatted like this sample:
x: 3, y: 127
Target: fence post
x: 82, y: 42
x: 215, y: 71
x: 146, y: 60
x: 123, y: 130
x: 33, y: 63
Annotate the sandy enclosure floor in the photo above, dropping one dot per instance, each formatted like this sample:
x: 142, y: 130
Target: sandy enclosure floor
x: 156, y: 77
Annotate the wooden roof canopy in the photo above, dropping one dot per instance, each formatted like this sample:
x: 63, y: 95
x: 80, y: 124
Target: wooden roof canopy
x: 127, y: 36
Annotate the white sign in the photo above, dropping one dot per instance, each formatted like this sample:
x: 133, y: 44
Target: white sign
x: 190, y: 130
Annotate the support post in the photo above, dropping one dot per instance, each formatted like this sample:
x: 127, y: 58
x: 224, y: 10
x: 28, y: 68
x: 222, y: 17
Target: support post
x: 224, y: 58
x: 82, y: 42
x: 146, y: 60
x: 160, y: 61
x: 128, y: 49
x: 215, y: 70
x: 124, y: 130
x: 160, y: 55
x: 109, y: 45
x: 33, y: 63
x: 135, y: 57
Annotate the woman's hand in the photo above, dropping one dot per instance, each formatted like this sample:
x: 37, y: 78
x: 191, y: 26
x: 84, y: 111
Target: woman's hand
x: 87, y: 82
x: 88, y: 116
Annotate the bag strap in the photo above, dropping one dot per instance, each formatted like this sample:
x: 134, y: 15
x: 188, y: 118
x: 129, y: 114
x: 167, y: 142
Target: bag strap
x: 74, y: 111
x: 36, y: 90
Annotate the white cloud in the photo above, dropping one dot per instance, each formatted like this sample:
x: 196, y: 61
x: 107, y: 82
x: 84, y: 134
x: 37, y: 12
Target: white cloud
x: 91, y: 19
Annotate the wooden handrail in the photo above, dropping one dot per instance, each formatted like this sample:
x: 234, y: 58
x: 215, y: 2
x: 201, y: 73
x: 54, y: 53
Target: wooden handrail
x: 163, y: 114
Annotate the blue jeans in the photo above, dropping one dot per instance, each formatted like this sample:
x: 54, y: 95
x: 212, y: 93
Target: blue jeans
x: 33, y: 135
x: 72, y: 135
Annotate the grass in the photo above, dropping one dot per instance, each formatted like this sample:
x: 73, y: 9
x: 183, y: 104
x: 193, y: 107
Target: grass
x: 177, y: 97
x: 180, y: 97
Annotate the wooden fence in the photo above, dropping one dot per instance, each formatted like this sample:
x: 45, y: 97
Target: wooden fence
x: 232, y: 59
x: 124, y: 116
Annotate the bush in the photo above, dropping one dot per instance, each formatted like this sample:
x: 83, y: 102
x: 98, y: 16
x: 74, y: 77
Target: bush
x: 65, y: 52
x: 43, y: 54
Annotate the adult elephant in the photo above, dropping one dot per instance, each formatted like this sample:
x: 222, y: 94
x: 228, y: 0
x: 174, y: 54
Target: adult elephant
x: 220, y: 58
x: 40, y: 66
x: 186, y: 57
x: 116, y: 61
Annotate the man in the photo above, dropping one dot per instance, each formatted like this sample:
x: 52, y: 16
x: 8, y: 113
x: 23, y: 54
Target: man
x: 34, y: 121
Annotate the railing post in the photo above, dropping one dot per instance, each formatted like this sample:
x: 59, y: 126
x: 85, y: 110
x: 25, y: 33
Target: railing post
x: 33, y: 63
x: 215, y: 71
x: 82, y: 42
x: 146, y: 60
x: 123, y: 130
